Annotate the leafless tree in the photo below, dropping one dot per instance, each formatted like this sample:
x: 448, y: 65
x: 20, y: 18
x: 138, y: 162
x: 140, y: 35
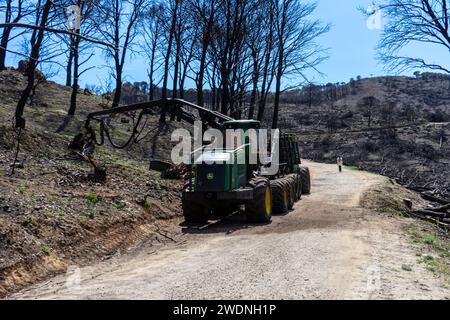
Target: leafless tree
x: 228, y: 47
x: 187, y: 55
x: 387, y: 113
x: 368, y: 104
x: 269, y: 56
x: 14, y: 11
x: 173, y: 14
x: 204, y: 13
x: 45, y: 11
x: 118, y: 25
x: 424, y: 22
x: 297, y: 49
x: 88, y: 11
x: 42, y: 17
x: 187, y: 41
x: 151, y: 28
x: 255, y: 40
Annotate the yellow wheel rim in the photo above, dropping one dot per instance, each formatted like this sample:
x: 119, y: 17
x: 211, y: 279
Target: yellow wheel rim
x: 268, y: 202
x: 285, y: 197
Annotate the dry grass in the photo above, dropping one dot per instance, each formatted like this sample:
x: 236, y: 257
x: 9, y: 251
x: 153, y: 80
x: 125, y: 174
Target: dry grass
x: 432, y: 244
x: 387, y: 197
x: 51, y: 214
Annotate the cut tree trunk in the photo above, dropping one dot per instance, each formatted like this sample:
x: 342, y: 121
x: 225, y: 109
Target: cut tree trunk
x: 443, y: 209
x: 428, y: 213
x: 430, y: 197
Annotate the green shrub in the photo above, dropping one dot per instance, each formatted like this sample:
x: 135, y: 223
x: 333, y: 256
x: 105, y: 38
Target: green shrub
x: 47, y: 250
x: 407, y: 267
x: 92, y: 198
x: 28, y: 218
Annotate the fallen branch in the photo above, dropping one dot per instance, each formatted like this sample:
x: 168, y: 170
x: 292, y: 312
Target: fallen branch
x: 432, y: 214
x: 428, y: 219
x: 158, y: 231
x: 443, y: 209
x: 52, y: 30
x: 418, y: 189
x: 428, y: 196
x: 99, y: 172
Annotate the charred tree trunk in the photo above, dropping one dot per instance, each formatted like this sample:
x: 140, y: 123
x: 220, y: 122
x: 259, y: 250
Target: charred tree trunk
x: 267, y: 64
x: 7, y: 30
x: 206, y: 39
x: 169, y: 51
x: 70, y: 63
x: 276, y: 107
x: 151, y: 93
x: 280, y: 66
x: 36, y: 42
x: 118, y: 90
x: 75, y: 85
x: 182, y: 81
x: 201, y: 77
x: 255, y: 80
x: 173, y: 25
x: 176, y: 68
x: 4, y: 47
x: 225, y: 94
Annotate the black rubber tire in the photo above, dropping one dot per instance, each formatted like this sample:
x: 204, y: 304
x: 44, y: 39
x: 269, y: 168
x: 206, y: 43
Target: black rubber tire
x: 290, y: 185
x: 298, y: 183
x: 306, y: 180
x: 255, y: 210
x: 280, y: 203
x: 295, y: 179
x: 194, y: 212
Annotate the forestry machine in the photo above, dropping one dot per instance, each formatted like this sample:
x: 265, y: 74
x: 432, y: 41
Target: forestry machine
x: 217, y: 183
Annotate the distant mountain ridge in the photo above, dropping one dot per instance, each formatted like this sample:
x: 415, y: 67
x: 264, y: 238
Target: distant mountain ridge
x: 396, y: 126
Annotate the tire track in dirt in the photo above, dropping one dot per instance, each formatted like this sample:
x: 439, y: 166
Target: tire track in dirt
x: 328, y: 247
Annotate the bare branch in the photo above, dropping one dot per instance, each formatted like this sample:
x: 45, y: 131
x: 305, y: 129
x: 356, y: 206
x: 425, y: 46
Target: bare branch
x: 33, y: 27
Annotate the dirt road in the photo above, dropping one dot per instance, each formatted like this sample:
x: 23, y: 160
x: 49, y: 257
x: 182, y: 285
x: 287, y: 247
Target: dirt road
x: 327, y: 248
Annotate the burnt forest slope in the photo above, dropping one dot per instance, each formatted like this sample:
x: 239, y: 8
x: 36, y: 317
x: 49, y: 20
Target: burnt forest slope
x: 395, y: 126
x: 52, y: 215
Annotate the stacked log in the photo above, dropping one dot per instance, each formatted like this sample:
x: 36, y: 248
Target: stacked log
x: 169, y: 170
x: 176, y: 172
x: 439, y: 211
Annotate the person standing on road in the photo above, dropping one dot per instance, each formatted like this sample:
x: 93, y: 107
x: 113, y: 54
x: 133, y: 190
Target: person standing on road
x: 340, y: 163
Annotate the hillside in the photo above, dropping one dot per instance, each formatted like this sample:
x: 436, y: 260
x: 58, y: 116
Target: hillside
x: 347, y: 240
x: 52, y: 215
x: 394, y: 126
x: 408, y: 135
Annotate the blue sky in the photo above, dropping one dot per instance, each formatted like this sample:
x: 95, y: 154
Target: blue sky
x: 352, y: 45
x: 350, y: 42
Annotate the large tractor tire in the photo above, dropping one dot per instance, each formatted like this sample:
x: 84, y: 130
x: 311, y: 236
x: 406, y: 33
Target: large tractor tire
x: 259, y: 210
x: 194, y: 212
x: 306, y: 180
x: 290, y: 185
x: 298, y: 184
x: 280, y: 195
x: 295, y: 179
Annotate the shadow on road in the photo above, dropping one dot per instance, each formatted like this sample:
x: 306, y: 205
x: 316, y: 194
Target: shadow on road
x: 225, y: 225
